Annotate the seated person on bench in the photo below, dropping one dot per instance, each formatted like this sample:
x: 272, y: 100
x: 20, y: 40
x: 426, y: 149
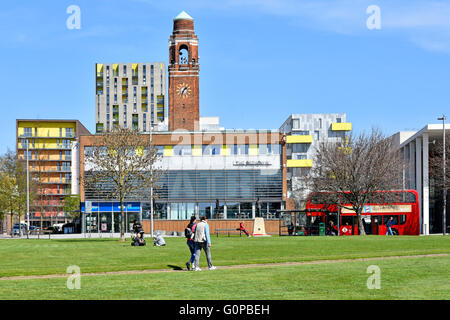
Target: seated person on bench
x: 242, y: 228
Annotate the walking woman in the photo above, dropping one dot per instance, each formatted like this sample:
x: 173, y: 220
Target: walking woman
x: 190, y: 242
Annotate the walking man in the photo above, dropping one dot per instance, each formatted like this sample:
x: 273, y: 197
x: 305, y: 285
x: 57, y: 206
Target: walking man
x: 389, y: 224
x: 202, y: 240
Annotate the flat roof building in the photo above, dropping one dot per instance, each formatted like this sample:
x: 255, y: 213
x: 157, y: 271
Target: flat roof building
x: 53, y: 164
x: 417, y: 148
x: 130, y: 95
x: 303, y: 133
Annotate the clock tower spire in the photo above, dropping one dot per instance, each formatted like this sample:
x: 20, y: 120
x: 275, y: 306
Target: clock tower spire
x: 183, y: 75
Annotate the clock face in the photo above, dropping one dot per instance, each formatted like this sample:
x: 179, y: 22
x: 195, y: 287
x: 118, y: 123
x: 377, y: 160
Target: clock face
x: 183, y: 90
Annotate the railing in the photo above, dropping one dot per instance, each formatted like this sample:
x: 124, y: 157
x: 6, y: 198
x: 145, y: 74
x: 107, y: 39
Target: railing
x: 51, y: 170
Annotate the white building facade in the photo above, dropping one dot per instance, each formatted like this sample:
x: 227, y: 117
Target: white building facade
x: 415, y: 149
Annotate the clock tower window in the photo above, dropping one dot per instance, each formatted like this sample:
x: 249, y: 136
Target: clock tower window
x: 183, y: 55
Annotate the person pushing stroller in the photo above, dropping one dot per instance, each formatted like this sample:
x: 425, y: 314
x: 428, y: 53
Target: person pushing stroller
x: 138, y: 237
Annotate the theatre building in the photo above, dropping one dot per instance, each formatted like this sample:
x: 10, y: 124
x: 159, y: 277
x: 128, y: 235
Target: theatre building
x: 227, y: 176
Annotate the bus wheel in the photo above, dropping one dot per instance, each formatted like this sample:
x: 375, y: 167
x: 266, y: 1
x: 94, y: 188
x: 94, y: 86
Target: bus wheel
x: 395, y: 232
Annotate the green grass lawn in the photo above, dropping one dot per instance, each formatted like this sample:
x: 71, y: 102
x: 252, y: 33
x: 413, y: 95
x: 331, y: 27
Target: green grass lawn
x: 411, y: 278
x: 414, y: 278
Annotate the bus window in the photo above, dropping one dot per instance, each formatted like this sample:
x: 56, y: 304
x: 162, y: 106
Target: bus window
x: 408, y: 197
x: 390, y: 197
x: 325, y: 198
x: 395, y: 219
x: 402, y: 218
x: 347, y: 220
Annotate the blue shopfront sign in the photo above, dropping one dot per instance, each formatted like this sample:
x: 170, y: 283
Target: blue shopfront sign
x: 113, y: 207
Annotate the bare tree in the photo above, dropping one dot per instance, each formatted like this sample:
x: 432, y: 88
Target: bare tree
x: 353, y: 172
x: 119, y: 164
x: 436, y: 163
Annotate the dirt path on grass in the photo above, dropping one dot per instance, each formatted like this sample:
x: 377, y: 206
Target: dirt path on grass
x: 240, y: 266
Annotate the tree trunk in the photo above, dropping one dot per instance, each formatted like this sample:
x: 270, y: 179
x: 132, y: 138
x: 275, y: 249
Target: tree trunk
x: 122, y: 223
x: 20, y: 227
x: 12, y: 226
x: 361, y: 230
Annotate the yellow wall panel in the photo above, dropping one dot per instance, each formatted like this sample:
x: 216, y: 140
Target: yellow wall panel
x: 253, y: 150
x: 99, y: 68
x: 46, y: 129
x: 299, y: 139
x: 344, y: 126
x: 304, y: 163
x: 168, y: 151
x: 197, y: 151
x: 225, y: 150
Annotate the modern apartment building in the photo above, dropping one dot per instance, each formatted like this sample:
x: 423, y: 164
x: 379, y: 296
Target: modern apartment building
x: 303, y: 132
x: 50, y: 145
x: 130, y: 95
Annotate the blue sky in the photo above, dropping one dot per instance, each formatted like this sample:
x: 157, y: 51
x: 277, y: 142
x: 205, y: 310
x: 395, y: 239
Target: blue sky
x: 260, y: 60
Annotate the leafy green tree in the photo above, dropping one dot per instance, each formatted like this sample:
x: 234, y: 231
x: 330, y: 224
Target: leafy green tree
x: 13, y: 186
x: 72, y: 205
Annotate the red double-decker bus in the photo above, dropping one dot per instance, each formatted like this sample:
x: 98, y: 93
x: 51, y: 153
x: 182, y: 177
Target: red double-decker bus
x: 403, y: 206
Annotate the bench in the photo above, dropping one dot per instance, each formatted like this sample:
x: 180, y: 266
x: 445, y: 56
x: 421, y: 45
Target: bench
x: 228, y: 231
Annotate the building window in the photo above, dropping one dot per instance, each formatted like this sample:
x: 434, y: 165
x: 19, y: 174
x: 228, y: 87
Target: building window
x: 295, y: 123
x: 182, y: 150
x: 24, y: 143
x: 124, y: 115
x: 69, y: 132
x: 144, y: 122
x: 160, y: 150
x: 301, y: 133
x: 300, y: 147
x: 27, y: 132
x: 320, y: 123
x: 211, y: 150
x: 316, y: 135
x: 124, y: 70
x: 338, y: 120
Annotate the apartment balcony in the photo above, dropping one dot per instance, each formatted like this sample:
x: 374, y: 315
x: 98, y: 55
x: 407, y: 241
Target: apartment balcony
x: 44, y: 148
x: 57, y: 181
x: 303, y: 163
x: 48, y: 159
x: 341, y: 126
x: 52, y: 170
x: 299, y: 139
x: 29, y: 135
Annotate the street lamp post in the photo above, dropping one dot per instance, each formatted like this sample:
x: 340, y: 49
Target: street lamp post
x: 28, y: 190
x: 151, y: 186
x: 444, y: 211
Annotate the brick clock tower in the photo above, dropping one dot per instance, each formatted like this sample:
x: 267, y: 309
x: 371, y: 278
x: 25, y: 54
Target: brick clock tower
x: 183, y: 75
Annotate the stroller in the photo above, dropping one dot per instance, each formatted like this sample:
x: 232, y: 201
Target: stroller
x: 137, y: 239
